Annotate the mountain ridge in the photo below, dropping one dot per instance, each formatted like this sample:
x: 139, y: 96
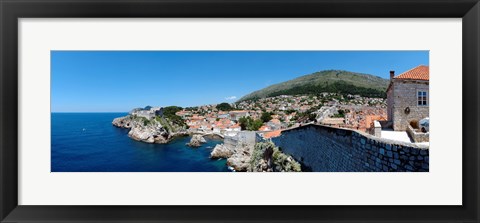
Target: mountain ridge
x: 340, y: 81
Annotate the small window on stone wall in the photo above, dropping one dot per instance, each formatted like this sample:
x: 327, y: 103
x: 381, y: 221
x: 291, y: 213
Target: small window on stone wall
x: 422, y: 98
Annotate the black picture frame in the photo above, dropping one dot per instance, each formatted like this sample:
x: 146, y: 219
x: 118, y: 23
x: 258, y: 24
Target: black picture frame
x: 12, y: 10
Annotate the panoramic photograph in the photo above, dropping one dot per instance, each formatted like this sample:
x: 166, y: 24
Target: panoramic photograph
x: 240, y: 111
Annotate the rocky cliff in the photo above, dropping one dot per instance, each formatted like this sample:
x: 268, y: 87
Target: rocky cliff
x: 266, y: 157
x: 147, y: 130
x: 196, y: 141
x: 245, y: 152
x: 236, y: 149
x: 221, y: 151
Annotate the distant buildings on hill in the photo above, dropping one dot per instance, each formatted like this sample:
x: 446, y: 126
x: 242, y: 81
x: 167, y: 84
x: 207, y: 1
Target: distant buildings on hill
x: 148, y: 112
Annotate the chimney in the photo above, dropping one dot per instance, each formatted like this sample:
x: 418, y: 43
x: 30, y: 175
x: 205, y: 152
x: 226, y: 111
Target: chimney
x: 392, y: 73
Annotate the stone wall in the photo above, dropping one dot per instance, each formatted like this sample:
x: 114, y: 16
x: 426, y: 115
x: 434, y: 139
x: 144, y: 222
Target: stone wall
x: 390, y: 102
x: 245, y: 138
x: 418, y: 136
x: 403, y: 95
x: 328, y: 149
x: 377, y: 129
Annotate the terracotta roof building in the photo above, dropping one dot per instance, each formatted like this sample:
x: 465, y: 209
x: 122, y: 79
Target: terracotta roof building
x: 272, y: 134
x: 417, y: 73
x: 408, y: 97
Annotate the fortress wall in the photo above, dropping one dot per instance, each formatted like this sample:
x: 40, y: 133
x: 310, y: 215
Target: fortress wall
x: 245, y: 138
x: 328, y: 149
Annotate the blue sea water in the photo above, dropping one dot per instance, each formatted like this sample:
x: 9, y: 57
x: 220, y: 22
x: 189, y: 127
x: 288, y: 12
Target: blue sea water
x: 88, y: 142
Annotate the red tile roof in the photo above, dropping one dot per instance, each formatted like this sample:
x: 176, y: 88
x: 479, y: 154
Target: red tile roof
x: 276, y: 121
x: 272, y: 134
x: 418, y: 73
x: 264, y: 128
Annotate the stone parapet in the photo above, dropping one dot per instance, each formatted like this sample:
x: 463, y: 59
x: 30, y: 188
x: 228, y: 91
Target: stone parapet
x: 377, y: 129
x: 418, y: 136
x: 327, y: 149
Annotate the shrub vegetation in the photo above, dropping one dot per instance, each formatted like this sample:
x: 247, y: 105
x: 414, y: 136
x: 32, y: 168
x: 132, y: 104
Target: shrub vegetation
x: 224, y: 107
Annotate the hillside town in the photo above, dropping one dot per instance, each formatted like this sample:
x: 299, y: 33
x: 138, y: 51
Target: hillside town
x: 271, y: 115
x: 283, y: 112
x: 294, y: 132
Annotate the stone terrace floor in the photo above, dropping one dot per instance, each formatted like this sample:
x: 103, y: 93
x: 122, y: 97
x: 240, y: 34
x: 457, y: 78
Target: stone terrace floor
x: 396, y: 135
x: 401, y: 136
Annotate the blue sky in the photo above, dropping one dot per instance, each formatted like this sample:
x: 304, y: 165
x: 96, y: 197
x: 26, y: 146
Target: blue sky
x: 117, y: 81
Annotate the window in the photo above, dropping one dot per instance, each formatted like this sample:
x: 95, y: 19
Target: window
x: 422, y: 98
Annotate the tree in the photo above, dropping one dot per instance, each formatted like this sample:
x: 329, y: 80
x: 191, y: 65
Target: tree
x: 266, y: 116
x: 341, y: 113
x: 191, y: 108
x: 224, y: 107
x: 171, y: 110
x: 247, y: 123
x: 289, y: 111
x: 256, y: 125
x: 244, y: 122
x: 340, y: 87
x: 304, y: 117
x: 170, y: 113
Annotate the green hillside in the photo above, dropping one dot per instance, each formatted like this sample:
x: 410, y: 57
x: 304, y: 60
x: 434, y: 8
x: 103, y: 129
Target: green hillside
x: 334, y: 81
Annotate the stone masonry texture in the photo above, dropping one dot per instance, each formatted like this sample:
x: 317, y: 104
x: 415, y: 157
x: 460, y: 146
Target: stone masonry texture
x: 403, y: 94
x: 328, y: 149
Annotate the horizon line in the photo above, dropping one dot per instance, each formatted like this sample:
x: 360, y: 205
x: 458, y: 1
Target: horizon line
x: 89, y: 112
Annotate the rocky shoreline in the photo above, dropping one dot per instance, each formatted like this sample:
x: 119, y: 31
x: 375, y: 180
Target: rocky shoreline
x: 148, y: 131
x: 247, y: 153
x: 244, y: 151
x: 196, y: 141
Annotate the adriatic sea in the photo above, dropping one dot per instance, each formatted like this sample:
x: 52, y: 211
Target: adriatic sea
x: 88, y: 142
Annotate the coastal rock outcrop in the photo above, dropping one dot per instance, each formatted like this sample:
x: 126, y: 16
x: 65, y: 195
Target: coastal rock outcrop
x: 196, y: 141
x: 240, y: 160
x: 221, y: 151
x: 266, y: 157
x: 147, y: 130
x: 151, y: 132
x: 123, y: 122
x: 237, y: 149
